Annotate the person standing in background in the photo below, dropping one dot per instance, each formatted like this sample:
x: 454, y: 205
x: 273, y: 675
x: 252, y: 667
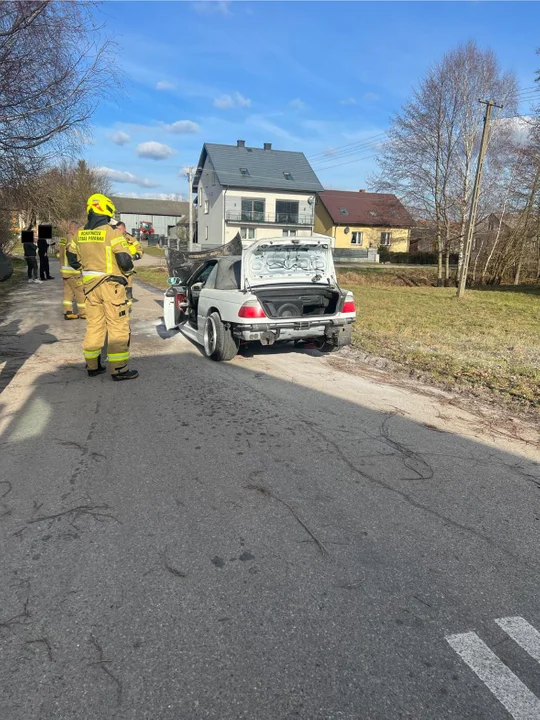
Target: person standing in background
x: 136, y: 251
x: 44, y: 235
x: 72, y: 279
x: 30, y: 255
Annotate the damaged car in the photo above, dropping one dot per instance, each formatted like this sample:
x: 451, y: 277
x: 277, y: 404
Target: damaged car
x: 276, y: 290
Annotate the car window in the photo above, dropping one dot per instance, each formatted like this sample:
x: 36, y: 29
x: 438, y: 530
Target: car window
x: 203, y: 274
x: 210, y: 284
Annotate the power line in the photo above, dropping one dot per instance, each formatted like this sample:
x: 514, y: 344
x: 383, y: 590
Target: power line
x: 359, y: 151
x: 344, y: 149
x: 347, y: 162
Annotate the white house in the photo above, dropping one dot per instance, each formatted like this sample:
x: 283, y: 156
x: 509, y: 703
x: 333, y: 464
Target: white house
x: 162, y: 214
x: 258, y: 191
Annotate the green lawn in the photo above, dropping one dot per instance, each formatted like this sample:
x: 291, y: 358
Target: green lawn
x: 489, y: 338
x: 155, y: 276
x: 154, y: 251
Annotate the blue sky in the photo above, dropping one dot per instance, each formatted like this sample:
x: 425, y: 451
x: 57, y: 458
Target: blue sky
x: 308, y: 76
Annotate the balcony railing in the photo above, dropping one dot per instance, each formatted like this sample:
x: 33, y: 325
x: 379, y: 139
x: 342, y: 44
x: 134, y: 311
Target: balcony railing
x: 260, y: 218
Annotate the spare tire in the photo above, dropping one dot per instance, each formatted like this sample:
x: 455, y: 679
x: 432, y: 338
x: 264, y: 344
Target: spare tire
x: 6, y: 267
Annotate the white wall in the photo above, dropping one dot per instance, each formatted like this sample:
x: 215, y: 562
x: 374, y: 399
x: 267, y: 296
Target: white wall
x: 160, y: 223
x: 221, y: 201
x: 210, y: 223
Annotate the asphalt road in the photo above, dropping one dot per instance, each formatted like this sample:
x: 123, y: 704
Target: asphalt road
x: 276, y: 537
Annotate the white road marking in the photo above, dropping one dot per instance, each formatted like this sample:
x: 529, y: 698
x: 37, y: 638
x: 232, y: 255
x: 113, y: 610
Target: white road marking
x: 516, y: 697
x: 523, y: 633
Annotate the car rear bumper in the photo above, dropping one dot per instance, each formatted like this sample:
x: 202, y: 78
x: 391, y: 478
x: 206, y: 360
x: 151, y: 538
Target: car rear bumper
x: 291, y: 330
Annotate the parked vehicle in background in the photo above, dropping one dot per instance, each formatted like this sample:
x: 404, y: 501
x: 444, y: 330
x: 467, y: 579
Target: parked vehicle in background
x: 277, y: 290
x: 6, y: 267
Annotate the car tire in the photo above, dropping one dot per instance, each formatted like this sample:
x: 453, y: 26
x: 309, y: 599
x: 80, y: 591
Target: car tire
x: 218, y: 341
x: 341, y: 339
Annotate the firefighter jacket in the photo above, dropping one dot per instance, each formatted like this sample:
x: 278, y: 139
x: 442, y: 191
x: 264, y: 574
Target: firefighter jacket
x: 135, y: 246
x: 102, y: 254
x: 66, y: 270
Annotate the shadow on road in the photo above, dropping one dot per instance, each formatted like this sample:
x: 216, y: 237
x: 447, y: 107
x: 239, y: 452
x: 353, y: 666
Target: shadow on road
x: 249, y: 543
x: 18, y: 348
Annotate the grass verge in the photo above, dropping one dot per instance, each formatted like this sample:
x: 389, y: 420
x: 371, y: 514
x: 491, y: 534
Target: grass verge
x: 154, y: 276
x: 154, y: 251
x: 489, y: 338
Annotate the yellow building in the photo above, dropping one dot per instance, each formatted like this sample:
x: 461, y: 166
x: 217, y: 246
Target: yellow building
x: 361, y: 220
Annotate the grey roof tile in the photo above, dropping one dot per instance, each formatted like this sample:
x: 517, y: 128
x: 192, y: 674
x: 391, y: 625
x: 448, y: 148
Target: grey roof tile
x: 266, y: 169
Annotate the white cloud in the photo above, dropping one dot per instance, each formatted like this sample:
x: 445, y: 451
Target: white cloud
x: 370, y: 97
x: 349, y: 101
x: 225, y: 102
x: 154, y: 150
x: 298, y: 104
x: 120, y: 138
x: 165, y: 85
x: 208, y: 7
x: 126, y: 177
x: 183, y: 127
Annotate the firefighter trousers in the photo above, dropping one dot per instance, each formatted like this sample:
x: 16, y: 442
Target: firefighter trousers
x: 107, y: 315
x: 74, y: 290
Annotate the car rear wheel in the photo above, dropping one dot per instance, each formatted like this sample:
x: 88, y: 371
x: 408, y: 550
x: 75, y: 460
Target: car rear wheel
x: 218, y: 341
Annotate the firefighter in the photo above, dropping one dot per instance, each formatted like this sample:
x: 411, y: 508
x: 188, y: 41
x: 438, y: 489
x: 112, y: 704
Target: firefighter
x: 135, y: 248
x: 102, y: 253
x: 72, y: 279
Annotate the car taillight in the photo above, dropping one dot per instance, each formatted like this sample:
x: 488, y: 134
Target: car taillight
x: 349, y: 306
x: 251, y: 309
x: 179, y: 299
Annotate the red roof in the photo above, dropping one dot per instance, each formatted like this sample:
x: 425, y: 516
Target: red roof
x: 362, y: 208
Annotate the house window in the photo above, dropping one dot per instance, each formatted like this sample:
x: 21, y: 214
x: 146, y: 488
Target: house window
x: 288, y: 176
x: 357, y: 238
x: 206, y: 207
x: 343, y: 211
x: 252, y: 210
x: 288, y: 233
x: 247, y: 233
x: 287, y: 211
x: 244, y: 172
x: 206, y: 233
x: 386, y: 238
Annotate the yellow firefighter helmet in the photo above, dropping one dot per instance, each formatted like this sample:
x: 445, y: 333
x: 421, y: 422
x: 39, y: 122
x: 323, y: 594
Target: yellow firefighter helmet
x: 100, y: 204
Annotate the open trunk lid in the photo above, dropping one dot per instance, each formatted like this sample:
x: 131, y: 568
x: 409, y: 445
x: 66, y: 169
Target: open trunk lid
x: 285, y: 261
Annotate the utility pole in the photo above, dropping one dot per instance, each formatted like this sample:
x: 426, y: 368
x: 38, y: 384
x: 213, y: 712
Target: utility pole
x: 189, y: 175
x: 490, y: 104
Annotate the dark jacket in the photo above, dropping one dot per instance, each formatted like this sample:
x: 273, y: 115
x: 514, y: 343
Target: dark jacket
x: 30, y: 249
x: 43, y: 246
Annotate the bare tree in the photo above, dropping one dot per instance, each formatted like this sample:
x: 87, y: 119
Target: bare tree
x: 433, y: 142
x: 59, y: 194
x: 54, y: 68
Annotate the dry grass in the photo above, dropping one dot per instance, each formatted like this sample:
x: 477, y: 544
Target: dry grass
x: 489, y: 338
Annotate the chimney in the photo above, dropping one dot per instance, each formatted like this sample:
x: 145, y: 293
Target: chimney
x: 240, y: 143
x: 267, y: 146
x: 362, y: 190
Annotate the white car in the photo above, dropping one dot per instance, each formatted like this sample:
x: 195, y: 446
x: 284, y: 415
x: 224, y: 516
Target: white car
x: 277, y: 290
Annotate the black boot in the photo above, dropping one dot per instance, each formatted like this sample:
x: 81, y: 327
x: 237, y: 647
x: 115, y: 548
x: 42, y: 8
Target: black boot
x: 96, y: 371
x: 125, y: 375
